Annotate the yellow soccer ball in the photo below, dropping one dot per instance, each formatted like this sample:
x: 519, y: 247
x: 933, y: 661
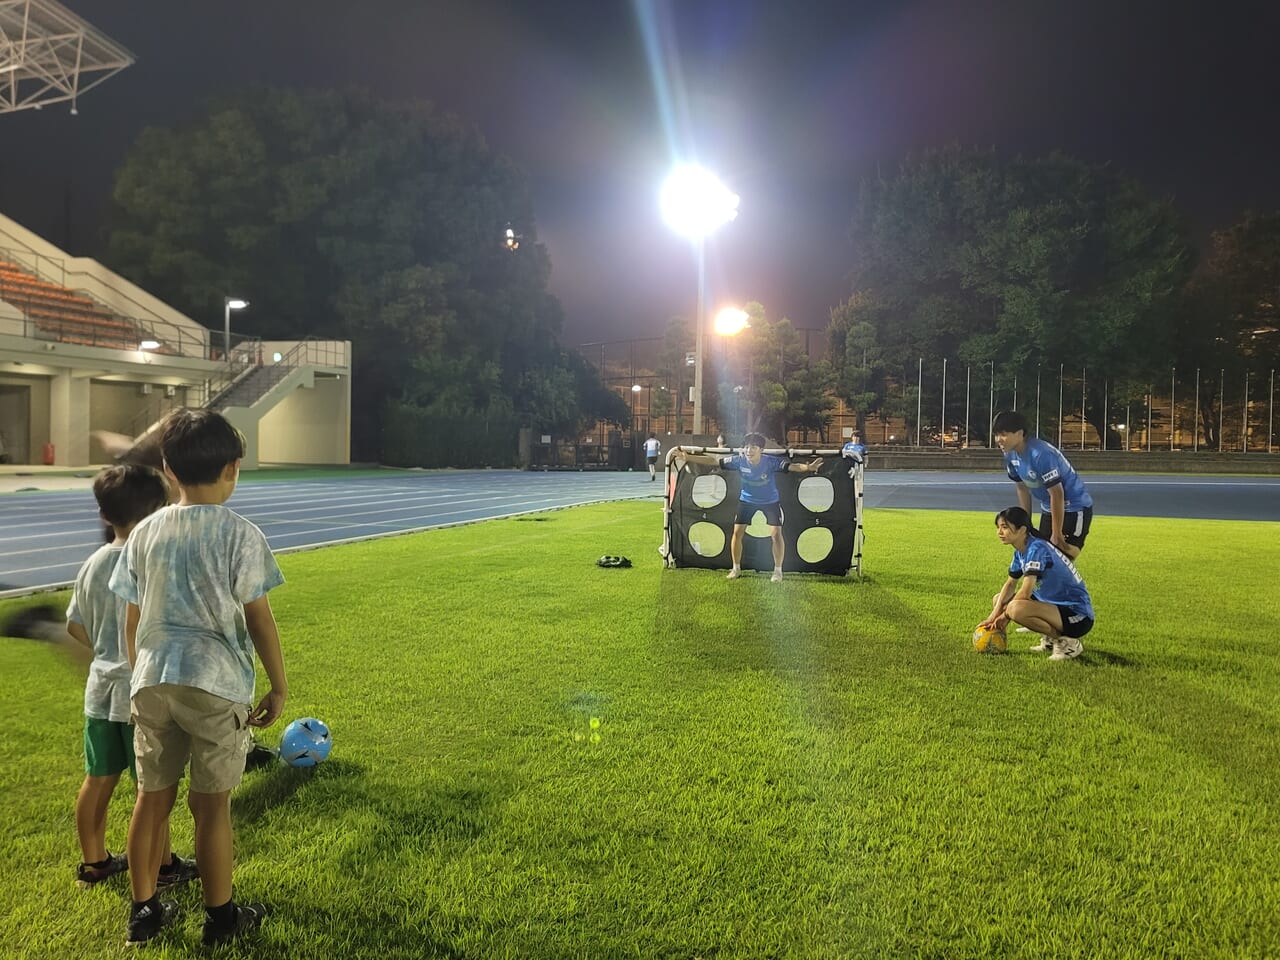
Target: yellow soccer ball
x: 989, y: 640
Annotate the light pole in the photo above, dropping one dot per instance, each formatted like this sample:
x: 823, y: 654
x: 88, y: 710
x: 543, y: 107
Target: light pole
x: 730, y: 322
x: 694, y: 202
x: 229, y: 304
x: 635, y: 398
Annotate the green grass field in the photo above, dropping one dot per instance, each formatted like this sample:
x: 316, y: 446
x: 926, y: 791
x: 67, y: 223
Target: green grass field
x: 538, y: 758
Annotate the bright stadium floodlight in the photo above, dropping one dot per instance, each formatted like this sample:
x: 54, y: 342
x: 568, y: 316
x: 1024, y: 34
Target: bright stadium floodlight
x: 731, y: 321
x: 694, y: 203
x: 149, y: 345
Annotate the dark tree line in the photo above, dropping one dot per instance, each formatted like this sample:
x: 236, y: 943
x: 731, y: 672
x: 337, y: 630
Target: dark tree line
x: 346, y: 217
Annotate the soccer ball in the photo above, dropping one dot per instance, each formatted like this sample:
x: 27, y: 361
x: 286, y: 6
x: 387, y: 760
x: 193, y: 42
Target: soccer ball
x: 989, y: 640
x: 305, y: 742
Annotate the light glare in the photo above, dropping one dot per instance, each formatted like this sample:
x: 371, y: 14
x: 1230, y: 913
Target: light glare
x: 694, y: 202
x: 731, y: 321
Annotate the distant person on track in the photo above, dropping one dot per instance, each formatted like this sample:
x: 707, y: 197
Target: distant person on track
x: 652, y: 447
x: 855, y: 449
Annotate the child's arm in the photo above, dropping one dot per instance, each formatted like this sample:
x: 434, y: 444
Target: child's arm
x: 266, y: 640
x: 131, y: 614
x: 79, y: 633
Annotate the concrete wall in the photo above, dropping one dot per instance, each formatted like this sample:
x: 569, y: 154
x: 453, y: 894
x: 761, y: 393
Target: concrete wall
x: 310, y: 425
x: 27, y: 401
x: 113, y: 405
x: 15, y: 420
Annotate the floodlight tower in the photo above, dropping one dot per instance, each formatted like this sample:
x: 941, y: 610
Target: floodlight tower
x: 694, y: 204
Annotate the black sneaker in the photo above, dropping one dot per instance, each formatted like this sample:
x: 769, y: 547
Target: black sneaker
x: 260, y: 756
x: 91, y: 874
x: 176, y: 872
x: 148, y: 920
x: 248, y: 917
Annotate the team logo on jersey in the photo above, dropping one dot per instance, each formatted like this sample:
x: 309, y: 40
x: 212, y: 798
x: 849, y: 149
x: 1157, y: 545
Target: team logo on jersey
x: 1051, y: 475
x: 1031, y: 566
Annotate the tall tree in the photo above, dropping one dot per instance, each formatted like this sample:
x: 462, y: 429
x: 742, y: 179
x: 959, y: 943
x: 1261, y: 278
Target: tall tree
x: 786, y: 389
x: 967, y: 254
x: 853, y: 352
x: 342, y: 216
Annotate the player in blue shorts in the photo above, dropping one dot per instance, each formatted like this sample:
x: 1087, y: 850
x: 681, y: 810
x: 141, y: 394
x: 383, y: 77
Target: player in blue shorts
x: 759, y: 492
x: 1040, y: 470
x: 1044, y: 592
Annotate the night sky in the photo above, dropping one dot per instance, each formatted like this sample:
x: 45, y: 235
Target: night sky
x: 791, y: 102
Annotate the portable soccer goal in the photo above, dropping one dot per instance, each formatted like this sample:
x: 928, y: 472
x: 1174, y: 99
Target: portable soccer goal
x: 822, y: 522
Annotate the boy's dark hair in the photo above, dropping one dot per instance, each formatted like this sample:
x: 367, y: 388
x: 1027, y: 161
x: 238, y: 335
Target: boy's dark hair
x: 1019, y: 519
x: 198, y: 444
x: 754, y: 439
x: 1009, y: 421
x: 128, y: 492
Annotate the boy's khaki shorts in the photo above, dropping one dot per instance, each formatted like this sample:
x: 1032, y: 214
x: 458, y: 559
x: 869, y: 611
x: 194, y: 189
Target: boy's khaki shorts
x: 174, y: 724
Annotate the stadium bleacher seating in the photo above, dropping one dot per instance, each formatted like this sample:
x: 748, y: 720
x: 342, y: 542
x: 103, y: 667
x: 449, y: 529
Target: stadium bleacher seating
x: 59, y: 314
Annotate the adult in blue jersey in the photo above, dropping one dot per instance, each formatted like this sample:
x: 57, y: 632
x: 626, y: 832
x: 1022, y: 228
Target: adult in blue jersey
x: 1041, y: 471
x: 855, y: 449
x: 759, y: 492
x: 1044, y: 592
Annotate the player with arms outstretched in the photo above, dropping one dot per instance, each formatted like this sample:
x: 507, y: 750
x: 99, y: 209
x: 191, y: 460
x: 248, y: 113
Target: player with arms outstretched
x: 759, y: 492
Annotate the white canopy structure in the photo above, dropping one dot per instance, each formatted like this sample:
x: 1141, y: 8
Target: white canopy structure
x: 50, y: 55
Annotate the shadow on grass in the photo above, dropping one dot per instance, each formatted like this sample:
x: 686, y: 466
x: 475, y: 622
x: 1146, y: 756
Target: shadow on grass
x: 1093, y: 657
x: 1241, y: 743
x: 263, y: 790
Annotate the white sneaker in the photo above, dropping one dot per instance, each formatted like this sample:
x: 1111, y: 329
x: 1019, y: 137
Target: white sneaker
x: 777, y: 576
x: 1044, y: 643
x: 1068, y: 648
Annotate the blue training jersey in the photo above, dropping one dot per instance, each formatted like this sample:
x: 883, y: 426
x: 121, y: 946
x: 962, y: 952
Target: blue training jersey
x: 758, y: 485
x: 855, y: 450
x: 1057, y: 580
x: 1041, y: 466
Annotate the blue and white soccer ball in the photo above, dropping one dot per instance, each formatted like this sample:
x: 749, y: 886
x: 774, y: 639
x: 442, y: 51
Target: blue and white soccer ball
x: 305, y: 743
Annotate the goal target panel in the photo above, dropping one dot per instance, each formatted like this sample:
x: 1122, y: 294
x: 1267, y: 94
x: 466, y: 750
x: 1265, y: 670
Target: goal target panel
x: 821, y: 517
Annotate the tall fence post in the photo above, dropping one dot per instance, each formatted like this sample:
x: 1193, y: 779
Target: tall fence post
x: 943, y: 432
x: 919, y: 396
x: 1083, y: 371
x: 1061, y: 368
x: 1244, y: 427
x: 1195, y: 443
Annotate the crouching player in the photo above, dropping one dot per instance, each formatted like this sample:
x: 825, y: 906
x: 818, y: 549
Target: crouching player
x: 1044, y: 591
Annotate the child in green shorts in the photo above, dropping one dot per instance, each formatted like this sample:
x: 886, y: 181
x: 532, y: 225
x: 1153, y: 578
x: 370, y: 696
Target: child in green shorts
x: 95, y: 618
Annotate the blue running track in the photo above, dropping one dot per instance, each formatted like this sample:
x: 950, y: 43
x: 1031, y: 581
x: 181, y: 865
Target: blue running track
x: 44, y: 537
